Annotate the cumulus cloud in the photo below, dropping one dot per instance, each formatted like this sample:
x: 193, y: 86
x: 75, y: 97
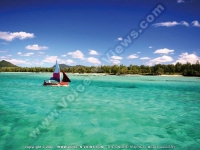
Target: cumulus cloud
x: 63, y: 55
x: 115, y: 61
x: 132, y: 56
x: 41, y: 53
x: 116, y: 57
x: 162, y: 59
x: 180, y: 1
x: 119, y: 39
x: 50, y: 59
x: 69, y: 61
x: 17, y: 61
x: 5, y: 57
x: 36, y: 47
x: 185, y: 23
x: 138, y: 52
x: 145, y: 58
x: 185, y: 57
x: 150, y: 47
x: 77, y: 54
x: 196, y: 23
x: 8, y: 36
x: 93, y: 52
x: 171, y: 24
x: 163, y: 51
x: 27, y: 54
x: 93, y: 60
x: 36, y: 62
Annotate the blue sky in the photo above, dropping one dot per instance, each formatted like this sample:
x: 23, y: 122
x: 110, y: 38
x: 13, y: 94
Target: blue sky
x: 36, y: 33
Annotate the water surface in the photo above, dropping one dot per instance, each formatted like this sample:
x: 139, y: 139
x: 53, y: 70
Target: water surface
x: 111, y: 110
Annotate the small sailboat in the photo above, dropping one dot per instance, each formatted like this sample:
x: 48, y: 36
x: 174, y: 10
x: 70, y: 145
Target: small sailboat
x: 55, y: 79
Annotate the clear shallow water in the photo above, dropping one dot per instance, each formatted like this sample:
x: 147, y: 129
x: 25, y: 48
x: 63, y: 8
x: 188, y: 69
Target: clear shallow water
x: 111, y: 110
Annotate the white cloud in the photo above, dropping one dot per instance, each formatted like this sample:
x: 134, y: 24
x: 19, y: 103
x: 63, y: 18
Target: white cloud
x: 119, y: 39
x: 115, y: 61
x: 8, y: 36
x: 185, y: 57
x: 93, y: 60
x: 50, y: 59
x: 28, y: 54
x: 36, y: 62
x: 163, y: 51
x: 132, y: 56
x: 171, y: 24
x: 63, y: 55
x: 116, y: 57
x: 93, y: 52
x: 69, y: 61
x: 185, y: 23
x: 3, y: 51
x: 161, y: 59
x: 41, y: 53
x: 145, y: 58
x: 180, y: 1
x: 77, y: 54
x: 17, y: 61
x: 5, y: 57
x: 150, y: 47
x: 196, y: 23
x: 36, y: 47
x: 138, y: 52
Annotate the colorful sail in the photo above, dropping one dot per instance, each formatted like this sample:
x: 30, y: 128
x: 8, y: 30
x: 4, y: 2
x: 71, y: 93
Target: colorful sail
x: 56, y: 74
x: 65, y: 77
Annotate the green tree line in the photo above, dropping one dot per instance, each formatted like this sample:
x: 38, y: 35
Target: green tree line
x: 187, y: 69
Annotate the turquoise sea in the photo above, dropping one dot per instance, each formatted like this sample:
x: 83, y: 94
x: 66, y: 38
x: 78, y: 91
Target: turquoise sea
x: 114, y: 112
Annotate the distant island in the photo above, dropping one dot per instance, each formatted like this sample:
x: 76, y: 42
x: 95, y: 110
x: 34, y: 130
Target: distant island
x: 187, y: 69
x: 4, y: 63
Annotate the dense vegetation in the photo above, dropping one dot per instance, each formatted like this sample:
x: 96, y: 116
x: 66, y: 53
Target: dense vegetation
x: 187, y: 69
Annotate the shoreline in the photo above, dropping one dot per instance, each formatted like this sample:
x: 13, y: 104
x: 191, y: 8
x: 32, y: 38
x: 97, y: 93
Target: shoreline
x: 105, y: 74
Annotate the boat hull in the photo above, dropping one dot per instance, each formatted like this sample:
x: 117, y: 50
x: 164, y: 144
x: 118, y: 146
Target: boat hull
x: 56, y: 84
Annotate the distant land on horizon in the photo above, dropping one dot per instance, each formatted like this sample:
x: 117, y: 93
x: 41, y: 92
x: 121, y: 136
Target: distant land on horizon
x: 4, y: 63
x: 187, y: 69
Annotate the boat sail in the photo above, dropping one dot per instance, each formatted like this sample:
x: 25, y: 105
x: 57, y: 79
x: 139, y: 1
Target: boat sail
x: 56, y: 77
x: 65, y: 77
x: 56, y: 74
